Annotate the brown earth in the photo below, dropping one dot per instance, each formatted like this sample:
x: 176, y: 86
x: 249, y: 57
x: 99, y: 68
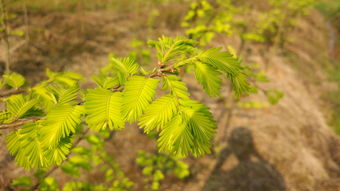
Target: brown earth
x: 288, y: 146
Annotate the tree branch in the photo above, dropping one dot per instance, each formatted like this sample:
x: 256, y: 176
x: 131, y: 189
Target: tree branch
x: 19, y: 122
x: 6, y: 93
x: 4, y: 17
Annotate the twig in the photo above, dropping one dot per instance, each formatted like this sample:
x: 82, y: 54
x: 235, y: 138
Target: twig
x: 17, y: 46
x: 231, y: 107
x: 4, y: 16
x: 160, y: 71
x: 19, y: 122
x: 6, y: 93
x: 27, y: 36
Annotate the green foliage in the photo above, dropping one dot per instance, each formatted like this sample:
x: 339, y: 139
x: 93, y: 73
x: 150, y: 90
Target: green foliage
x: 18, y: 106
x: 209, y: 78
x: 333, y: 97
x: 137, y: 95
x: 30, y: 150
x: 274, y: 96
x: 123, y: 68
x: 169, y: 49
x: 206, y: 19
x: 330, y: 9
x: 156, y: 167
x: 189, y: 131
x: 47, y: 141
x: 13, y: 80
x: 56, y: 118
x: 94, y: 158
x: 22, y: 181
x: 49, y: 184
x: 140, y: 52
x: 61, y: 122
x: 154, y: 119
x: 90, y: 158
x: 228, y: 64
x: 104, y: 109
x: 65, y: 96
x: 69, y: 79
x: 176, y: 87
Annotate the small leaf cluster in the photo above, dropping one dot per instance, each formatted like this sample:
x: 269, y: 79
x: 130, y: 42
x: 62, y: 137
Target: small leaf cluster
x: 12, y: 80
x: 91, y: 158
x: 273, y: 96
x: 157, y: 166
x: 46, y: 141
x: 205, y: 19
x: 5, y: 19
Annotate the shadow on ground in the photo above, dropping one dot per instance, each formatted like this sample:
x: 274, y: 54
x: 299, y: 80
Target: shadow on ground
x: 252, y: 173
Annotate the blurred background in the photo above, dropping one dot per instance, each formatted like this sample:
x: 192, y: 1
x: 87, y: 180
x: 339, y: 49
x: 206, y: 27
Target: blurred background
x: 284, y: 137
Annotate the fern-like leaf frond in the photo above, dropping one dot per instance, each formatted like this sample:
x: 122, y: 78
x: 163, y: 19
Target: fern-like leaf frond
x: 61, y: 122
x: 176, y: 137
x: 138, y: 93
x: 59, y: 152
x: 105, y: 81
x: 209, y: 78
x: 104, y: 109
x: 67, y: 96
x: 29, y: 150
x: 68, y: 79
x: 18, y: 105
x: 159, y: 113
x: 241, y: 84
x: 14, y: 80
x: 202, y: 125
x: 169, y: 49
x: 221, y: 60
x: 226, y: 63
x: 190, y: 131
x: 177, y: 87
x: 123, y: 67
x: 25, y: 144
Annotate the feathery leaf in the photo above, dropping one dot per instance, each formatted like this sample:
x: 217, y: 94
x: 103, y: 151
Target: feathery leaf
x: 190, y: 131
x: 60, y: 123
x: 138, y: 93
x: 226, y: 63
x: 30, y: 152
x: 176, y: 137
x: 18, y: 105
x: 14, y: 80
x: 68, y: 95
x: 177, y: 88
x: 68, y: 79
x: 59, y: 152
x: 169, y: 49
x: 105, y: 81
x: 25, y: 144
x: 123, y: 67
x: 104, y: 109
x: 221, y: 60
x: 159, y: 113
x: 209, y: 78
